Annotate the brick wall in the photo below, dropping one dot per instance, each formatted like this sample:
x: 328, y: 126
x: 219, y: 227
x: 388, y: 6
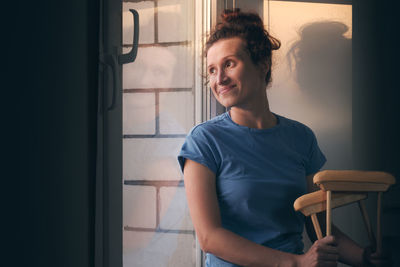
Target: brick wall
x: 158, y: 111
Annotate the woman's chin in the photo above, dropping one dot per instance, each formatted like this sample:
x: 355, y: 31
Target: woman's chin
x: 226, y: 101
x: 226, y: 104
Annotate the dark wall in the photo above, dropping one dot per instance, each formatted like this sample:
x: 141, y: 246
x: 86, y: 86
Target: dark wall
x: 50, y: 82
x: 53, y: 51
x: 376, y: 109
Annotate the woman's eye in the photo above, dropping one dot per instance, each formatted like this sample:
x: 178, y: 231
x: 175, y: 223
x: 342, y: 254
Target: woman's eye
x: 229, y: 64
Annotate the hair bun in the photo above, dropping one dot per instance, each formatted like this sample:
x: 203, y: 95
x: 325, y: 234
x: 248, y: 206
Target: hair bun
x: 230, y: 14
x: 234, y: 16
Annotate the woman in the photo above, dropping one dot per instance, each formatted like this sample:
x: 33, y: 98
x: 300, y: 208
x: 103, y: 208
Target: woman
x: 244, y: 169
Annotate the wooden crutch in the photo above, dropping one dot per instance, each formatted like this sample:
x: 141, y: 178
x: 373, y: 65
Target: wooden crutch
x: 355, y: 181
x: 315, y: 202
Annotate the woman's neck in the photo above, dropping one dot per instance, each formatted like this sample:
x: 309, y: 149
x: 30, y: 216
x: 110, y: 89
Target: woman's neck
x: 257, y: 116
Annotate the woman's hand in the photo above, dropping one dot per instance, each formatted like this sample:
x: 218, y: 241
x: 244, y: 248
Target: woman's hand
x: 374, y: 259
x: 322, y: 253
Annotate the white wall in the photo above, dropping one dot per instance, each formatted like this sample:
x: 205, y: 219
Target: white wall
x: 312, y: 82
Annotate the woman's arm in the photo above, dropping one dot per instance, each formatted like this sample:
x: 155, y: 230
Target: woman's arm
x: 349, y: 251
x: 201, y: 194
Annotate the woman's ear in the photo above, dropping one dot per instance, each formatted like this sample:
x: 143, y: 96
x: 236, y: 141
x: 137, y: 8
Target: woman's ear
x: 264, y: 68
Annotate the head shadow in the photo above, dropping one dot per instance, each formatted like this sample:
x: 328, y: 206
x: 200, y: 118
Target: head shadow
x: 321, y: 62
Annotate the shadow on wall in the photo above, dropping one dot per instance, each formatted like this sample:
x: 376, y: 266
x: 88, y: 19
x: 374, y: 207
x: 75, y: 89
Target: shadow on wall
x: 320, y: 62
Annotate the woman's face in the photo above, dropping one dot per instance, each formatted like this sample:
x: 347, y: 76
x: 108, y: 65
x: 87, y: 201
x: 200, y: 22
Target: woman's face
x: 234, y: 79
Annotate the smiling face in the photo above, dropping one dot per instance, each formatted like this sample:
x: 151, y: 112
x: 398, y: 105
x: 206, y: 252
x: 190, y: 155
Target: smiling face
x: 234, y: 79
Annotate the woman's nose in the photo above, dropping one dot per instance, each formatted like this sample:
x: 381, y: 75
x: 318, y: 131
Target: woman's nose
x: 222, y: 78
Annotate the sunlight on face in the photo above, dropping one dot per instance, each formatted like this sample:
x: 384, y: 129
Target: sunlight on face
x: 234, y: 79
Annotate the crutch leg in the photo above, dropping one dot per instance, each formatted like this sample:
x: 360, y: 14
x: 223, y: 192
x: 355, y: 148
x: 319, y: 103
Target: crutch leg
x: 378, y: 225
x: 328, y: 212
x: 367, y: 222
x: 317, y: 228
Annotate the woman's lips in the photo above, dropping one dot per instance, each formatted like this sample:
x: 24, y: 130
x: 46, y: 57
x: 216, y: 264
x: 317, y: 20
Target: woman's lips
x: 225, y: 89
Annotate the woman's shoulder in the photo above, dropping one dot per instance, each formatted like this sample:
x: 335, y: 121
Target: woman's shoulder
x: 294, y: 126
x: 209, y: 126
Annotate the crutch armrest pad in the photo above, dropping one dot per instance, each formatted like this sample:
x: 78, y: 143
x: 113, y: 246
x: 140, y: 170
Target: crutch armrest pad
x: 315, y: 202
x: 353, y: 180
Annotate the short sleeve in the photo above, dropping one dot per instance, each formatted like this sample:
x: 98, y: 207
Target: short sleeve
x: 316, y: 159
x: 199, y: 148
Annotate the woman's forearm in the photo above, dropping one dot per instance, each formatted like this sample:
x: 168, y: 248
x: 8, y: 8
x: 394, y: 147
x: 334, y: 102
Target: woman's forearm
x: 349, y: 251
x: 234, y: 248
x: 202, y: 199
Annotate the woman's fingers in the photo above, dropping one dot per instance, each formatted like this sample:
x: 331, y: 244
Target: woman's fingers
x: 328, y: 240
x: 322, y: 253
x: 380, y: 260
x: 326, y: 245
x: 327, y: 250
x: 326, y: 256
x: 375, y: 259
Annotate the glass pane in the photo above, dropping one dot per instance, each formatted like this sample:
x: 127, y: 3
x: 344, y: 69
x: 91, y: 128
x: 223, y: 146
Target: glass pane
x: 151, y: 159
x: 158, y: 111
x: 160, y: 67
x: 172, y: 119
x: 311, y: 75
x: 158, y: 249
x: 311, y: 81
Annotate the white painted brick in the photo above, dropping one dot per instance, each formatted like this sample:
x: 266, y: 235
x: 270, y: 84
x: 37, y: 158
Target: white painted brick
x: 174, y: 209
x: 185, y: 252
x: 135, y: 240
x: 139, y: 113
x: 160, y: 67
x: 158, y: 249
x: 175, y: 20
x: 151, y: 159
x: 146, y: 22
x: 139, y: 206
x: 176, y: 112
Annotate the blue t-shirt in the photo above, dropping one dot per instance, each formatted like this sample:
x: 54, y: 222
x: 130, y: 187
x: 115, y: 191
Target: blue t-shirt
x: 259, y: 175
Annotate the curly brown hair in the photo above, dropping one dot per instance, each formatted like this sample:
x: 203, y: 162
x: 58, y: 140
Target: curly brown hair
x: 249, y: 27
